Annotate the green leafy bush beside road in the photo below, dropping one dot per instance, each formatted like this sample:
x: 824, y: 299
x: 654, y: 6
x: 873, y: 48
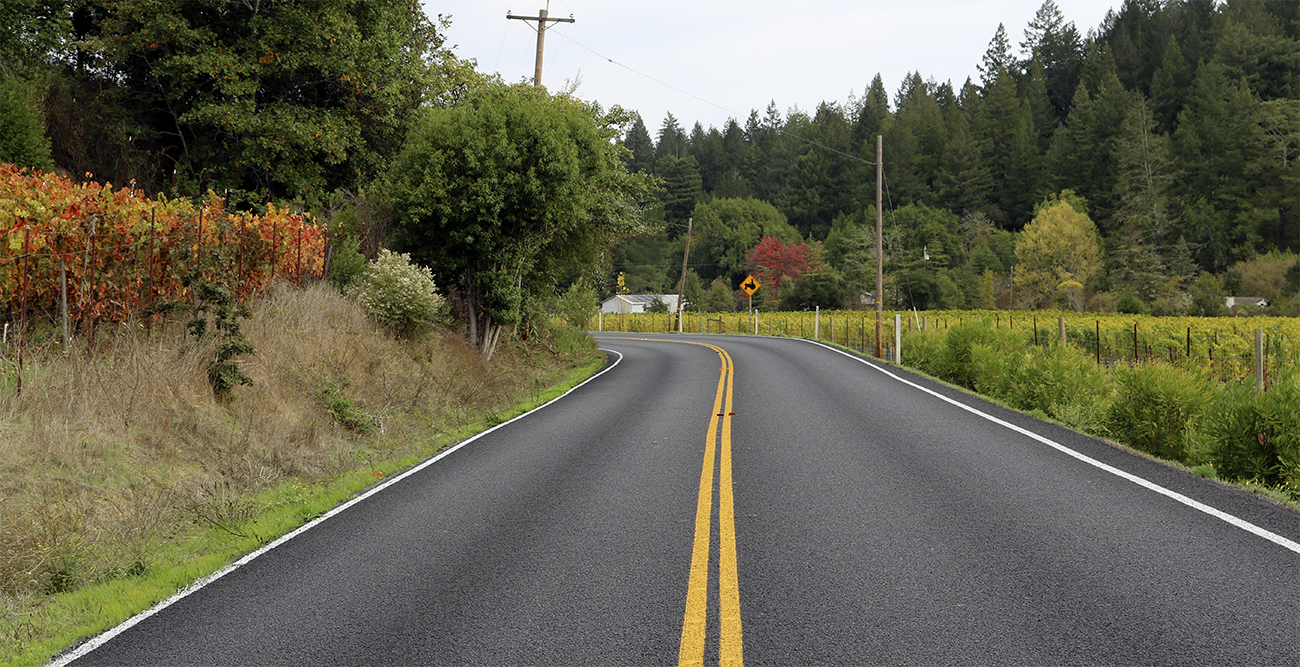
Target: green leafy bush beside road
x: 1175, y: 412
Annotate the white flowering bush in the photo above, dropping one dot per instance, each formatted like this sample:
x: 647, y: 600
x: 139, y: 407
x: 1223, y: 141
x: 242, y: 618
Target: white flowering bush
x: 400, y: 295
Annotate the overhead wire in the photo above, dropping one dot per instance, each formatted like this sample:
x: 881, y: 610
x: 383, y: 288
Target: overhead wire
x: 736, y: 115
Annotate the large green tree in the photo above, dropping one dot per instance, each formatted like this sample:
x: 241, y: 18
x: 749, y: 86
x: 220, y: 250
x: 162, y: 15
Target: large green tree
x: 509, y: 189
x: 727, y: 229
x: 275, y: 99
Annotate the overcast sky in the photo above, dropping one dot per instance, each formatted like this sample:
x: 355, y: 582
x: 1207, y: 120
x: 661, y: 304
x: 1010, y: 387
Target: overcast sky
x: 708, y: 60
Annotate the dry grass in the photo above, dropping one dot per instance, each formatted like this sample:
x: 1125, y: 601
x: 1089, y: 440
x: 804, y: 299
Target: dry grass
x: 106, y: 459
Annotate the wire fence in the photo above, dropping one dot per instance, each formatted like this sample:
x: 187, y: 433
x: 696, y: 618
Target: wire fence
x: 76, y: 256
x: 1224, y: 348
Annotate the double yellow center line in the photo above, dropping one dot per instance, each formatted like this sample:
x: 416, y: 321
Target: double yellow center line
x: 695, y: 622
x: 694, y: 625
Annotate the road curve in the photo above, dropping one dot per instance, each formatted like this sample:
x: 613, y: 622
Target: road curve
x: 873, y: 520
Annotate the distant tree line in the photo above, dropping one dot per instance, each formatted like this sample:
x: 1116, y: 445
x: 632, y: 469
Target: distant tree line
x: 1175, y: 127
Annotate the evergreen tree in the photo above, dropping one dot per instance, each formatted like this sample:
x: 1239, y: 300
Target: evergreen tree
x: 1022, y: 183
x: 964, y: 180
x: 769, y: 160
x: 996, y: 131
x: 731, y: 181
x: 1135, y: 265
x: 682, y: 189
x: 1040, y: 105
x: 1133, y: 38
x: 1253, y: 46
x: 919, y: 113
x: 1169, y: 85
x: 824, y: 176
x: 1082, y: 152
x: 1220, y: 142
x: 997, y: 59
x: 1144, y: 176
x: 640, y: 146
x: 872, y: 117
x: 707, y: 149
x: 672, y: 141
x: 1055, y: 44
x: 1280, y: 172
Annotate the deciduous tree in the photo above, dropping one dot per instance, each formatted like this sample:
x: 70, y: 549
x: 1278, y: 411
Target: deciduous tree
x: 501, y: 191
x: 1058, y: 246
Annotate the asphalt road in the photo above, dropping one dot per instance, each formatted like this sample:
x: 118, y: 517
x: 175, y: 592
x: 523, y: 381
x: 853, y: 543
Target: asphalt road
x: 769, y: 500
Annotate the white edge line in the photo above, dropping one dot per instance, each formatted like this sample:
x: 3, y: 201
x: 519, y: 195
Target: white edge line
x: 1140, y: 481
x: 104, y: 637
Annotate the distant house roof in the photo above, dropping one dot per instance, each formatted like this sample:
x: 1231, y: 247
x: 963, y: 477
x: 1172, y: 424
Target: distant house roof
x: 1234, y: 301
x: 636, y: 303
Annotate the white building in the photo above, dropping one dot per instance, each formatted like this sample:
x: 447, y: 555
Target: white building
x: 1257, y: 301
x: 637, y: 303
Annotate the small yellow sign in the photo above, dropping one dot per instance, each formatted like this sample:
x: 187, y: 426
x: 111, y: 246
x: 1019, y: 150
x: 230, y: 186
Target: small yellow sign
x: 749, y: 285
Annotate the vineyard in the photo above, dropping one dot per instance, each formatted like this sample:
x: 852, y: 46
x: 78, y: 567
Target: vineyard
x: 1220, y: 395
x: 1222, y: 347
x: 94, y: 254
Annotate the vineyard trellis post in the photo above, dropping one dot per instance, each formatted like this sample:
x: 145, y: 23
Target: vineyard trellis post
x: 1060, y: 324
x: 88, y: 287
x: 1097, y: 340
x: 22, y: 318
x: 63, y: 300
x: 274, y: 247
x: 148, y: 319
x: 1259, y: 361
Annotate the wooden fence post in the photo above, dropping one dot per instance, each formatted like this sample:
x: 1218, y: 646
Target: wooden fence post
x: 1060, y: 324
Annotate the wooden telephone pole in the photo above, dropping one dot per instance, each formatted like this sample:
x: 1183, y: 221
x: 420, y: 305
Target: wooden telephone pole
x: 542, y: 20
x: 681, y: 290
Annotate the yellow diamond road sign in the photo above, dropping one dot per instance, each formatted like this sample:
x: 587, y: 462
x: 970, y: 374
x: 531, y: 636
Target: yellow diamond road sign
x: 750, y: 285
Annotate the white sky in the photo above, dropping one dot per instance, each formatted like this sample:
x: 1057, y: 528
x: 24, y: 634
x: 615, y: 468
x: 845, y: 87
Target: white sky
x: 709, y: 60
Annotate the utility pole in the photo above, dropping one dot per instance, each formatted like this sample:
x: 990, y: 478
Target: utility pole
x: 880, y: 244
x: 681, y: 291
x: 541, y: 19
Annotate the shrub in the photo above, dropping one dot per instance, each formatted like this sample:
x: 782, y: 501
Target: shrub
x: 954, y: 362
x: 921, y: 351
x: 577, y: 305
x: 1156, y: 409
x: 997, y: 369
x: 1066, y: 383
x: 347, y: 263
x: 22, y: 139
x: 1256, y: 437
x: 400, y: 295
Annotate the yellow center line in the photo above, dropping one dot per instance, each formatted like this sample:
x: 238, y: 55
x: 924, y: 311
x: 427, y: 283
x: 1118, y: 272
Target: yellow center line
x: 695, y: 621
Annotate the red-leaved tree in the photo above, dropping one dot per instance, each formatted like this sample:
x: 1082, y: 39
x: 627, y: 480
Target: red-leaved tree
x: 773, y: 259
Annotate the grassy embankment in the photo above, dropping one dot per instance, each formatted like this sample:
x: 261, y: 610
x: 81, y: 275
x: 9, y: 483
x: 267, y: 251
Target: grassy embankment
x: 122, y: 479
